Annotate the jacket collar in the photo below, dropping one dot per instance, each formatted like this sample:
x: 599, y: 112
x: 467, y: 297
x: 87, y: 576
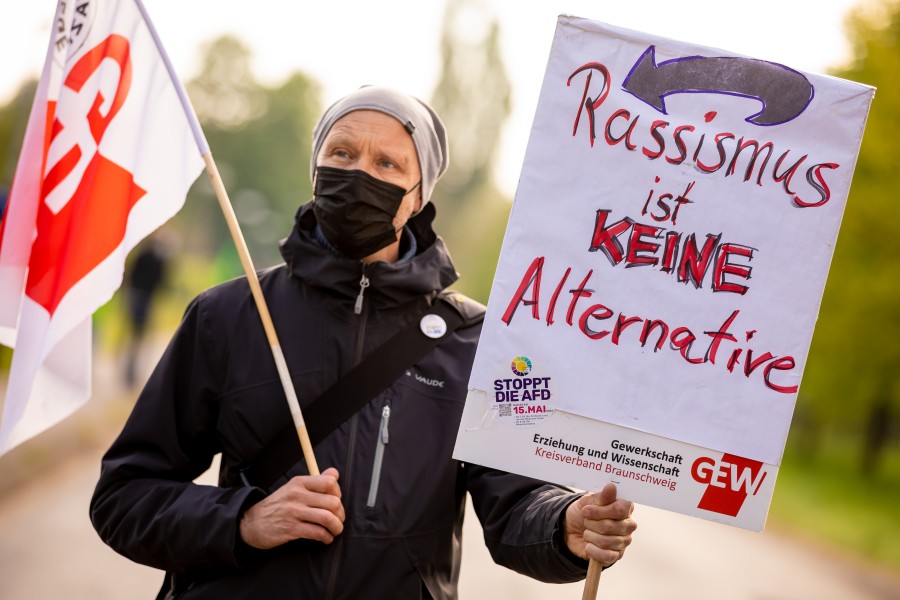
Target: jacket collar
x: 425, y: 274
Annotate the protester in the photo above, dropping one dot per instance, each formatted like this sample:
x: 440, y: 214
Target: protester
x: 384, y: 519
x: 145, y: 277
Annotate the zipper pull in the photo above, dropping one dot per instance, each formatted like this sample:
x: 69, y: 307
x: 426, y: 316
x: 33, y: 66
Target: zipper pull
x: 385, y: 419
x: 363, y: 284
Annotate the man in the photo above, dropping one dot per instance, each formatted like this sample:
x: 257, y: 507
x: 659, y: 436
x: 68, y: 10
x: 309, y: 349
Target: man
x: 383, y: 520
x: 142, y: 284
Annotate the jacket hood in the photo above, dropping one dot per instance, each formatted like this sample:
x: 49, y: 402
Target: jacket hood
x: 428, y: 272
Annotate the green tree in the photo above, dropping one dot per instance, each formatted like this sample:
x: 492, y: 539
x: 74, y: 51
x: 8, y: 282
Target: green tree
x: 851, y: 384
x: 259, y: 137
x: 473, y: 98
x: 13, y: 118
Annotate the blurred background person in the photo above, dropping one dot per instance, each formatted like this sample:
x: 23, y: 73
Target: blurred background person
x: 145, y: 277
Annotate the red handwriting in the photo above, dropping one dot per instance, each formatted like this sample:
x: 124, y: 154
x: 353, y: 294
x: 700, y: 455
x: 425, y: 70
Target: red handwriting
x: 709, y: 153
x: 673, y: 252
x: 599, y: 322
x: 667, y: 210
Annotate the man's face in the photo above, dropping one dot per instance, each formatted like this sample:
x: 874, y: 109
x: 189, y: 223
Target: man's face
x: 371, y: 141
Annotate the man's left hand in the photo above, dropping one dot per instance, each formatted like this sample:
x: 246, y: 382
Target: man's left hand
x: 599, y: 526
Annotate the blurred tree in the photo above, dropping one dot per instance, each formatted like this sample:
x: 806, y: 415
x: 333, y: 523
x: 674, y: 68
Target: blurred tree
x: 259, y: 137
x: 852, y: 382
x: 13, y: 118
x: 473, y: 98
x: 226, y: 94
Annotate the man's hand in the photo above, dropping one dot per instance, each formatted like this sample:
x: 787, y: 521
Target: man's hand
x: 306, y: 507
x: 599, y: 526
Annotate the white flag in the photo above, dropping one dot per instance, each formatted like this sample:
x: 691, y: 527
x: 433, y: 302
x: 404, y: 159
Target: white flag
x: 110, y: 150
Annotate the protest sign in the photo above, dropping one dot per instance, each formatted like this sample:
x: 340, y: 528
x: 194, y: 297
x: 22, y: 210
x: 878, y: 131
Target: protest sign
x: 662, y: 271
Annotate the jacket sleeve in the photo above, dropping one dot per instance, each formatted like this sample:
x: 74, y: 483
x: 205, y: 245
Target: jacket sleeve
x: 145, y: 505
x: 522, y: 520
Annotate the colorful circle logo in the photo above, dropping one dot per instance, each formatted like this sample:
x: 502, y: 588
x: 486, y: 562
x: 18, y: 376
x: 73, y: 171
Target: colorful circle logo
x: 521, y: 366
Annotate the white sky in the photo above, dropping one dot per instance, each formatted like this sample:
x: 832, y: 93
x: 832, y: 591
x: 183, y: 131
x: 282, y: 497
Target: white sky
x: 347, y: 43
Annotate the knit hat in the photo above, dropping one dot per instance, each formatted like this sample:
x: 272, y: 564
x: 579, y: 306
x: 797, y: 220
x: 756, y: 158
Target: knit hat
x: 417, y: 117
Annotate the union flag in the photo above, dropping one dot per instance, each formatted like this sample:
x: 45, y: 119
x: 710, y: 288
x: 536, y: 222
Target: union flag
x: 111, y: 147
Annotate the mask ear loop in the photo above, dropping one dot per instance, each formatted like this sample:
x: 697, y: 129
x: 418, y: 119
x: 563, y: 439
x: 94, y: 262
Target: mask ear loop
x: 412, y: 189
x: 408, y: 192
x: 421, y: 203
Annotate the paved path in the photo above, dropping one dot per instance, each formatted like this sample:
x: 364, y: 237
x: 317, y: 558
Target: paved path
x: 48, y: 550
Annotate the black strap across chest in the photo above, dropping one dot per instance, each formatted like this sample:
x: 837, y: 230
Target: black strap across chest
x: 377, y: 371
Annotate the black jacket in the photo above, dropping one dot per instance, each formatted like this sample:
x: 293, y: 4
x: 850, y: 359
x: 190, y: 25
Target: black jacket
x: 216, y: 390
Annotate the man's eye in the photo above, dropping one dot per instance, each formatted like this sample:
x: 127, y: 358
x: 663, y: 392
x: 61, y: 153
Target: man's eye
x: 341, y: 153
x: 386, y: 164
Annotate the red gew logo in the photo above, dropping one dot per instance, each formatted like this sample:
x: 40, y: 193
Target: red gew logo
x: 729, y: 482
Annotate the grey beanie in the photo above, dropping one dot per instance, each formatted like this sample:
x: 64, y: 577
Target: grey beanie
x: 417, y: 117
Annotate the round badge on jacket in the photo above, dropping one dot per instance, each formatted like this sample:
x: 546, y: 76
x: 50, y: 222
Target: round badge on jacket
x: 434, y: 326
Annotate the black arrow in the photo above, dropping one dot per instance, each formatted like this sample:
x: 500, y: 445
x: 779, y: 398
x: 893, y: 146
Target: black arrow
x: 784, y: 92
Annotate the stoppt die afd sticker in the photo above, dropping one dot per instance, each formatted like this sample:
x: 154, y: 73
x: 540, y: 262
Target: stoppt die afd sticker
x: 526, y: 397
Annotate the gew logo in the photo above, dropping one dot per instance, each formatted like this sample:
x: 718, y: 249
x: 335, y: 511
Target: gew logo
x: 86, y: 197
x: 729, y: 482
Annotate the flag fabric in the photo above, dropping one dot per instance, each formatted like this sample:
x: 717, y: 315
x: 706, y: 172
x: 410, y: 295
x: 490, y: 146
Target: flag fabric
x: 110, y: 150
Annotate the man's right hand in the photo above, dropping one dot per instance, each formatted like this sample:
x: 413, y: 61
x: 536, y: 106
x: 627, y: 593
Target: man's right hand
x: 307, y: 507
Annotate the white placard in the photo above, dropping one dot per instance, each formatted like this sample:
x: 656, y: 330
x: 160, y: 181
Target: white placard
x: 663, y: 265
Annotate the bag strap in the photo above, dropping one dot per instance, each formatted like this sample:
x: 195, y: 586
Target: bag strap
x: 377, y: 371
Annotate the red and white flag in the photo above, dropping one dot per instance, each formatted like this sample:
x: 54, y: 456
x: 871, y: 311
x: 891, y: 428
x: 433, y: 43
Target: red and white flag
x: 111, y: 148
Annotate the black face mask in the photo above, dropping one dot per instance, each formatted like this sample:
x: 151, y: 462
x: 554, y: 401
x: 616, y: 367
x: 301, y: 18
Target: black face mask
x: 356, y: 211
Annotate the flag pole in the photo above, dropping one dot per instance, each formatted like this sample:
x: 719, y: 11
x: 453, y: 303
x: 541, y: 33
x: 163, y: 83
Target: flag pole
x: 244, y: 254
x: 263, y: 309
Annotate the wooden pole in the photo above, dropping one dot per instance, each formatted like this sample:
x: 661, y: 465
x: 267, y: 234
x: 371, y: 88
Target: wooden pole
x: 265, y: 317
x: 592, y: 581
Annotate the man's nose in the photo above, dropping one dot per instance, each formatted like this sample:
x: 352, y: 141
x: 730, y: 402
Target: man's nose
x: 366, y: 165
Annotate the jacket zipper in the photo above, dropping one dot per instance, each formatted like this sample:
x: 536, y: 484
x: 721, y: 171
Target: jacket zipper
x: 363, y: 284
x: 351, y: 443
x: 383, y: 439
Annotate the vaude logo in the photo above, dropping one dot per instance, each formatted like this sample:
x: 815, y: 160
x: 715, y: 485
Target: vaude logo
x: 430, y: 382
